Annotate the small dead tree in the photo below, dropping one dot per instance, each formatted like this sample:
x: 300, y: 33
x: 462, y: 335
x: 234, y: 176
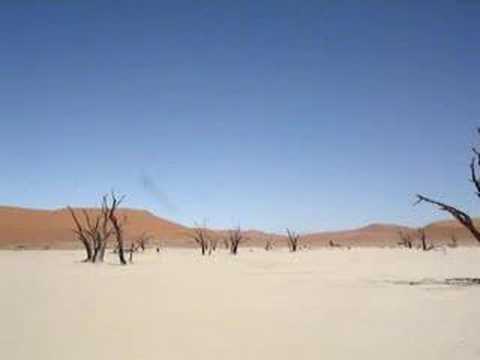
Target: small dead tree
x: 268, y: 243
x: 142, y: 241
x: 453, y: 241
x: 462, y: 217
x: 132, y: 249
x: 422, y: 234
x: 333, y: 244
x: 293, y: 240
x: 234, y: 238
x: 405, y: 240
x: 212, y: 244
x: 200, y: 236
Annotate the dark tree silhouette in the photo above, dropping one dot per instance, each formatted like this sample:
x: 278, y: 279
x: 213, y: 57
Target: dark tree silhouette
x: 234, y: 238
x: 117, y: 226
x: 458, y: 214
x: 293, y: 240
x: 81, y: 233
x: 133, y: 248
x: 200, y: 236
x: 96, y: 228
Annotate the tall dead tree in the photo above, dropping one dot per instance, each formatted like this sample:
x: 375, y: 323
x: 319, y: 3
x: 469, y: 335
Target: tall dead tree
x: 458, y: 214
x: 234, y: 238
x: 117, y: 226
x: 405, y: 240
x: 293, y: 240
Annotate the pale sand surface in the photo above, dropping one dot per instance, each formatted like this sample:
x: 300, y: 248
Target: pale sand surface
x: 322, y: 304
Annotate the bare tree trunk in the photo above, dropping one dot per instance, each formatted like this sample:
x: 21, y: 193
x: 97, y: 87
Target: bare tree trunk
x: 200, y: 237
x: 235, y: 237
x: 117, y: 226
x: 462, y: 217
x: 423, y: 238
x: 268, y: 244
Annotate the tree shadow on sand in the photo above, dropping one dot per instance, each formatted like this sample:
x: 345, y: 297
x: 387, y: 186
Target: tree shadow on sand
x: 454, y: 282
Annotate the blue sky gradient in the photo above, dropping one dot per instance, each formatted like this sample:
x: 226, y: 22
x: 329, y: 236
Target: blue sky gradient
x: 316, y: 115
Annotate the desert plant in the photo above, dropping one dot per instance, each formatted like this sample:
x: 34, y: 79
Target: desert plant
x: 461, y: 216
x: 293, y: 240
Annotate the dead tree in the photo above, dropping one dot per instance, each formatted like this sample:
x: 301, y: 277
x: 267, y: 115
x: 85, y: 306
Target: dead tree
x: 454, y: 242
x: 106, y: 230
x: 201, y: 238
x: 212, y: 244
x: 98, y: 227
x: 268, y: 244
x: 332, y: 243
x: 133, y: 248
x: 94, y: 232
x: 293, y: 240
x: 143, y: 241
x: 422, y: 234
x: 405, y: 240
x: 82, y: 236
x: 458, y: 214
x: 234, y: 238
x: 117, y: 226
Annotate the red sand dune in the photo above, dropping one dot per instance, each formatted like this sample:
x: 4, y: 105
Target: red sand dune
x: 27, y: 228
x: 53, y: 228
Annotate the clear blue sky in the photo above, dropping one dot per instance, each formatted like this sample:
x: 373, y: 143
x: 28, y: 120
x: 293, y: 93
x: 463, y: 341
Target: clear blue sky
x: 309, y: 114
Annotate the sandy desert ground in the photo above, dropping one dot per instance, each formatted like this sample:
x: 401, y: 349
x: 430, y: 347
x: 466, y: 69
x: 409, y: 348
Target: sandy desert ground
x: 321, y: 304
